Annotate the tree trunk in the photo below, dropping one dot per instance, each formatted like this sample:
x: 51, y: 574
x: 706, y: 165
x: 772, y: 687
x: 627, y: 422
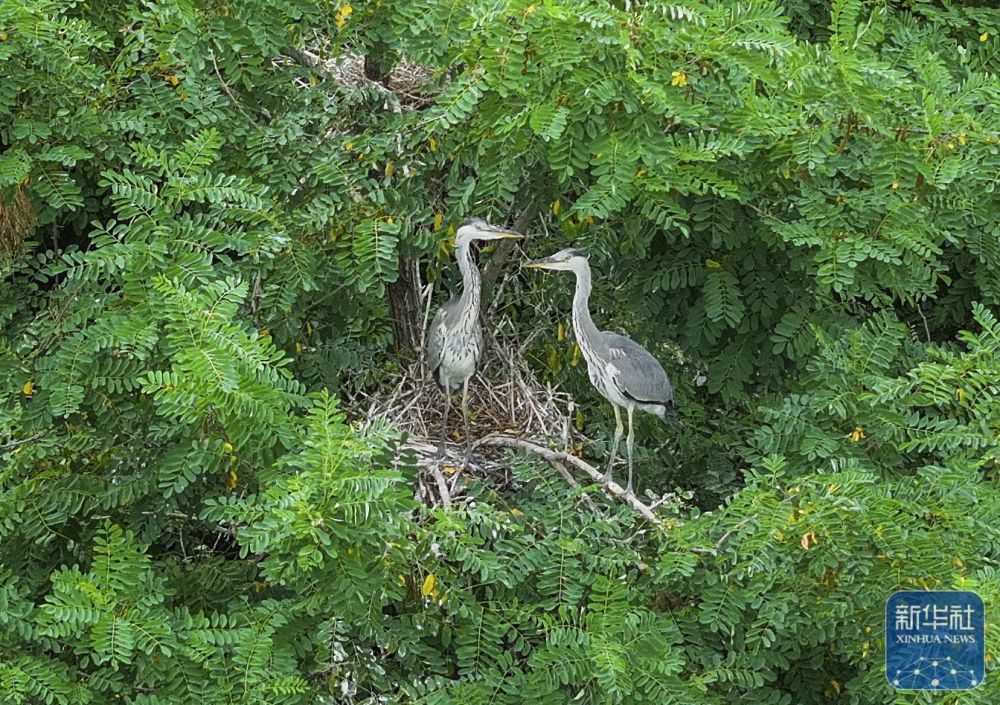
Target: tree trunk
x: 404, y: 306
x: 502, y: 253
x: 378, y: 63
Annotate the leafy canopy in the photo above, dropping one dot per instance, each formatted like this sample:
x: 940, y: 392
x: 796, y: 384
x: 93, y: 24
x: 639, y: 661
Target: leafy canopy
x: 204, y: 208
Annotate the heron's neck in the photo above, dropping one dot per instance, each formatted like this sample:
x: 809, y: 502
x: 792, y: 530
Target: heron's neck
x: 470, y: 282
x: 583, y: 324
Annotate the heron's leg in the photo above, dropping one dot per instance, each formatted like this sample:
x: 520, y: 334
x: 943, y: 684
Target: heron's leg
x: 630, y: 445
x: 465, y: 418
x: 447, y: 405
x: 614, y: 444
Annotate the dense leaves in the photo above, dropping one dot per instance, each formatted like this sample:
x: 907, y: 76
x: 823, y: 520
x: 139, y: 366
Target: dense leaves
x: 204, y: 208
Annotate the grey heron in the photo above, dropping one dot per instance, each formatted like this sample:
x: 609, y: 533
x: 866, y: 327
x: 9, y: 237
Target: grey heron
x: 624, y: 372
x: 455, y: 339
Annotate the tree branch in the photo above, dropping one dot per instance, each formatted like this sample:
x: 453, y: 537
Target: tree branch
x: 442, y: 486
x: 24, y: 441
x: 556, y: 458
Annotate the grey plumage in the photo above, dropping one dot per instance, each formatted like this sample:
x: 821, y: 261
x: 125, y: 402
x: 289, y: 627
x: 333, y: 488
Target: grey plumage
x: 624, y: 372
x: 466, y: 341
x: 436, y: 337
x: 455, y: 338
x: 642, y: 377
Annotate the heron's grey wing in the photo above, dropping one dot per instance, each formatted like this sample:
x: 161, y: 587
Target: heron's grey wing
x: 438, y: 333
x: 435, y: 340
x: 639, y: 376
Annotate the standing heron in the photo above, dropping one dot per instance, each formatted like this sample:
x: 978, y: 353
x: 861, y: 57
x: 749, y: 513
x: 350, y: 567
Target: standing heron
x: 622, y: 370
x: 455, y: 340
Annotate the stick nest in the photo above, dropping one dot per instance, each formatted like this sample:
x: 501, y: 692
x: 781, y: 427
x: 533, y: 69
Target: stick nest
x: 407, y: 86
x: 505, y: 398
x: 17, y: 219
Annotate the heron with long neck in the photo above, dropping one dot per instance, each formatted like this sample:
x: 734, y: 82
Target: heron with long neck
x: 455, y: 340
x: 624, y: 372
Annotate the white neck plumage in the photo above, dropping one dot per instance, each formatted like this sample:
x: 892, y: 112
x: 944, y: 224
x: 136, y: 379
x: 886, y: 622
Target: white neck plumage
x: 470, y: 282
x: 587, y: 334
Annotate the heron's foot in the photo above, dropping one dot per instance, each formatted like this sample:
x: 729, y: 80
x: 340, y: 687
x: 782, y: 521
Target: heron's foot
x: 628, y: 489
x: 607, y: 478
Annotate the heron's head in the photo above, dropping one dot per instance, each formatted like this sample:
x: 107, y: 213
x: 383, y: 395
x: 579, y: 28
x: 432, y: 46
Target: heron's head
x: 479, y: 229
x: 569, y: 259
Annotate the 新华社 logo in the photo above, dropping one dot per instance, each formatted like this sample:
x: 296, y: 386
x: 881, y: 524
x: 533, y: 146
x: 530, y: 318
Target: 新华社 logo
x: 935, y: 640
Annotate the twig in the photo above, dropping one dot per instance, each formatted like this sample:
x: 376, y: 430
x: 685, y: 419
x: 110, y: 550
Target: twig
x: 24, y: 441
x: 232, y: 95
x: 665, y: 498
x: 723, y: 540
x: 429, y: 295
x: 529, y: 340
x: 510, y: 388
x: 553, y: 457
x: 565, y: 425
x: 571, y: 481
x: 442, y: 486
x: 927, y: 328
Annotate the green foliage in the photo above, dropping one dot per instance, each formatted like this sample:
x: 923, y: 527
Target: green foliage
x: 793, y: 203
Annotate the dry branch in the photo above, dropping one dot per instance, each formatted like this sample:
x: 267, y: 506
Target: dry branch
x: 442, y: 484
x: 17, y: 443
x: 554, y: 457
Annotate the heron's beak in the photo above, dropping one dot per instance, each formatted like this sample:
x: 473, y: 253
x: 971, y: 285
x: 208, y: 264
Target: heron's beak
x: 508, y: 234
x: 539, y: 263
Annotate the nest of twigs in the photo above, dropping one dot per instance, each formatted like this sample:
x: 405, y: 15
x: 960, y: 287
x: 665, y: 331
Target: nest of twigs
x: 17, y: 218
x: 406, y: 78
x: 406, y: 85
x: 508, y: 410
x: 505, y: 399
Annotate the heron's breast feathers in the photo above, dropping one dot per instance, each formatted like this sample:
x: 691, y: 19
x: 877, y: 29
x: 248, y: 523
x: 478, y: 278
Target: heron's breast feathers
x: 461, y: 345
